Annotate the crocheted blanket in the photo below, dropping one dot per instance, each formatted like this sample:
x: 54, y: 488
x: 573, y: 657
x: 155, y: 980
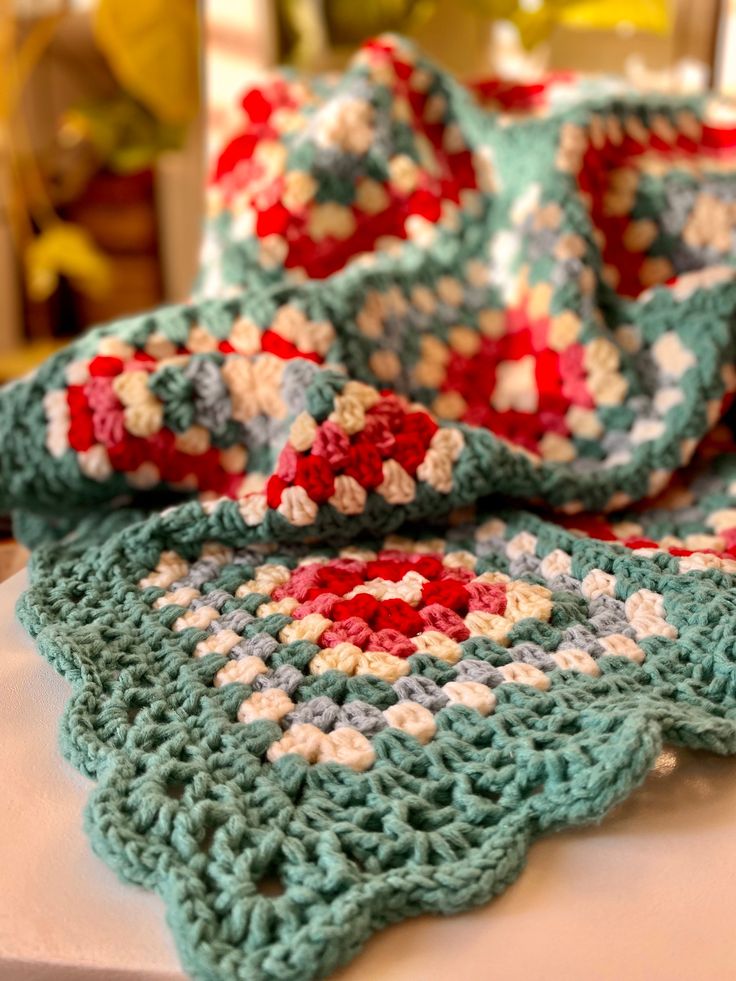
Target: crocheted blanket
x: 413, y: 535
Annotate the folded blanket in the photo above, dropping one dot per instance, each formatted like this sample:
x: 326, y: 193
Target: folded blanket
x: 340, y: 678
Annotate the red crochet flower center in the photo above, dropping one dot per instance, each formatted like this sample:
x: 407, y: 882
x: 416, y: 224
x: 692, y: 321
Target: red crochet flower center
x: 236, y: 168
x: 333, y: 589
x: 607, y: 158
x: 558, y: 378
x: 392, y: 431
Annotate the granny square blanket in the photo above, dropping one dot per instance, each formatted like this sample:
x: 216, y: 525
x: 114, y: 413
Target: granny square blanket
x: 412, y: 535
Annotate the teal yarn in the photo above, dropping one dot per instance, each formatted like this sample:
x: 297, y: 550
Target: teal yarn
x: 184, y: 805
x: 412, y: 536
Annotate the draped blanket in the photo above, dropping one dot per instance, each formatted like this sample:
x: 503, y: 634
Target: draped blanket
x: 412, y: 535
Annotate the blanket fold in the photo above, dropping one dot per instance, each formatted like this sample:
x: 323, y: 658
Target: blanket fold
x: 412, y: 535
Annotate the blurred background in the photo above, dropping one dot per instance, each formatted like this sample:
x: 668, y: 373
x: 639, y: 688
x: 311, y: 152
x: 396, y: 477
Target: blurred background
x: 110, y: 109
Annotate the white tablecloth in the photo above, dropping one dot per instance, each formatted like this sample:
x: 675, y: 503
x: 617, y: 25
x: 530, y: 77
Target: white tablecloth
x: 646, y: 896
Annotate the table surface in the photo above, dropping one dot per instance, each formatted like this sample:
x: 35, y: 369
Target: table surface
x: 646, y: 895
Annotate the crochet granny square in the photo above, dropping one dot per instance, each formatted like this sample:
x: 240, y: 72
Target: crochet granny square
x: 412, y: 535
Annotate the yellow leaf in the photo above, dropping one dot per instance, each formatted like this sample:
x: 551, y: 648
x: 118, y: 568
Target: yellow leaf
x: 534, y: 26
x: 606, y: 15
x: 151, y: 46
x: 64, y: 249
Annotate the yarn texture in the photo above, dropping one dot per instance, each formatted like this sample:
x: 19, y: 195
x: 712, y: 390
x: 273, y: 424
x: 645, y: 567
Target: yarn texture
x: 412, y: 535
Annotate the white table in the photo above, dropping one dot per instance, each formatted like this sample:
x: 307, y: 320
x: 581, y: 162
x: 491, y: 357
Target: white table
x: 646, y: 896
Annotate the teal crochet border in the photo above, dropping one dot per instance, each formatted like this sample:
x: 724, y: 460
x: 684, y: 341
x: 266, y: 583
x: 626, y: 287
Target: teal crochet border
x: 575, y: 751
